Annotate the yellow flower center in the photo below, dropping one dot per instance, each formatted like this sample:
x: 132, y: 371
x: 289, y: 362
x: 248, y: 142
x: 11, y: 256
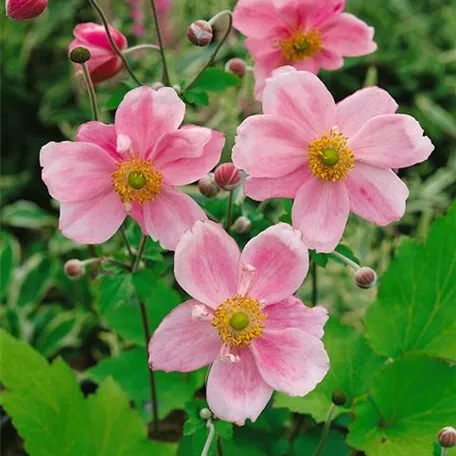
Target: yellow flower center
x: 239, y: 320
x: 137, y: 180
x: 329, y: 156
x: 301, y: 45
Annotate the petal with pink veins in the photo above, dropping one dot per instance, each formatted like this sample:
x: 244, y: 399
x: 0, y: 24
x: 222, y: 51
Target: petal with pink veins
x: 100, y: 134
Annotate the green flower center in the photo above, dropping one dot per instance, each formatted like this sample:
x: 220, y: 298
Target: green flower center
x: 137, y: 180
x: 239, y: 321
x: 330, y: 157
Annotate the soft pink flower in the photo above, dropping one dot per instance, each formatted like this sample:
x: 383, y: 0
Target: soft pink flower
x: 332, y: 159
x: 131, y: 168
x: 308, y: 34
x: 104, y: 63
x: 23, y: 10
x: 243, y: 320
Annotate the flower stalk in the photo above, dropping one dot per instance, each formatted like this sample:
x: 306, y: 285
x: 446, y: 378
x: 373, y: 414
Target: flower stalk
x: 160, y: 42
x: 90, y: 91
x: 210, y: 437
x: 228, y: 212
x: 325, y: 433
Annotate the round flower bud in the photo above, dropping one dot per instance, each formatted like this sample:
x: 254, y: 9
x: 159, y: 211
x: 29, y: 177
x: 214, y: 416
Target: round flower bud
x: 237, y: 67
x: 227, y: 176
x: 365, y: 277
x: 207, y: 186
x: 157, y: 85
x: 242, y: 225
x: 338, y: 398
x: 80, y: 55
x: 205, y: 414
x: 200, y: 33
x: 74, y: 269
x: 447, y: 437
x: 23, y: 10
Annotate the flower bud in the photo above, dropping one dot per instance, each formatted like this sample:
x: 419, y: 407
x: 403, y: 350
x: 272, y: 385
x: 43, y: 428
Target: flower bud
x: 205, y: 414
x: 74, y: 269
x: 227, y: 176
x: 338, y: 398
x: 23, y: 10
x: 207, y: 186
x: 447, y: 437
x: 237, y: 67
x: 242, y: 225
x: 80, y: 55
x: 157, y: 85
x: 365, y: 277
x: 200, y: 33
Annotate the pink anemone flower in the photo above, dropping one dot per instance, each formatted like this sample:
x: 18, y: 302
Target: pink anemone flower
x: 332, y: 159
x: 308, y: 34
x: 131, y: 168
x: 243, y: 320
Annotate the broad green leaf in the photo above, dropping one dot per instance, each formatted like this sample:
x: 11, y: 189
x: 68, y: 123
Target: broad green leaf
x: 412, y: 399
x: 415, y: 311
x: 215, y: 80
x: 308, y: 441
x: 25, y: 214
x: 116, y: 97
x: 352, y: 366
x: 9, y: 259
x: 198, y: 97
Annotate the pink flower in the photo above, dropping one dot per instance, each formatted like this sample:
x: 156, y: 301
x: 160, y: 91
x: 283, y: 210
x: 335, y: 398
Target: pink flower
x: 243, y: 320
x: 131, y: 168
x: 332, y: 159
x: 23, y: 10
x: 308, y: 34
x: 104, y: 62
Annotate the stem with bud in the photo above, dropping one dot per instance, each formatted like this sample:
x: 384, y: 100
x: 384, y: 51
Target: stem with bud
x: 325, y: 433
x: 210, y: 437
x: 140, y: 47
x: 160, y: 42
x: 91, y: 91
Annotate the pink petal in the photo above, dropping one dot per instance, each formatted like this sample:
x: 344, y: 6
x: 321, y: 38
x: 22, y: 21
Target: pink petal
x: 376, y: 194
x: 94, y: 35
x: 281, y: 260
x: 76, y: 171
x: 301, y: 97
x: 100, y: 134
x: 183, y: 342
x: 290, y: 360
x: 391, y: 141
x: 169, y: 215
x: 146, y: 114
x: 313, y: 14
x: 349, y: 36
x: 310, y: 64
x: 92, y: 221
x: 293, y: 313
x: 186, y: 155
x: 269, y: 146
x: 328, y: 60
x: 236, y: 391
x: 320, y: 211
x: 206, y: 263
x: 262, y: 188
x: 354, y: 111
x: 137, y: 212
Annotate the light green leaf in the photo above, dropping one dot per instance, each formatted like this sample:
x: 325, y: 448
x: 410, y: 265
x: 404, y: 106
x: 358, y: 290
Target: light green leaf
x: 198, y: 97
x: 215, y: 80
x: 9, y: 260
x: 415, y: 311
x: 415, y: 397
x: 25, y: 214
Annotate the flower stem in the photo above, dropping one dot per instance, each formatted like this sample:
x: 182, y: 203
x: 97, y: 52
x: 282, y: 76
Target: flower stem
x: 140, y: 47
x: 228, y: 212
x: 444, y: 452
x: 325, y: 433
x: 216, y: 49
x: 141, y: 248
x: 346, y: 260
x: 114, y: 46
x: 127, y: 244
x: 314, y: 284
x: 210, y: 437
x: 219, y: 449
x: 91, y: 91
x: 160, y: 42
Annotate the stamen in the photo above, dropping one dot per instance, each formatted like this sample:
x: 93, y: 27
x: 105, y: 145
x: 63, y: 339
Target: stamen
x: 200, y: 312
x: 301, y: 45
x: 246, y: 276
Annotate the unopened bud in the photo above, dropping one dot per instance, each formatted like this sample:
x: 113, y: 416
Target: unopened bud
x: 80, y: 55
x: 200, y: 33
x: 205, y: 414
x: 338, y: 398
x: 23, y: 10
x: 207, y: 186
x: 157, y: 85
x: 242, y: 225
x: 74, y: 269
x: 365, y: 277
x: 227, y: 176
x: 236, y: 66
x: 447, y: 437
x: 177, y: 88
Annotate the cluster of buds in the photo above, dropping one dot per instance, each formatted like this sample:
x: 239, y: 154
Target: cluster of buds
x: 226, y: 177
x: 24, y: 10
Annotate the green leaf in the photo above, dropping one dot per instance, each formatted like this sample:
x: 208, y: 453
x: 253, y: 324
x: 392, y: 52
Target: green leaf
x: 9, y: 259
x: 352, y: 366
x: 320, y: 258
x: 215, y: 80
x: 116, y: 98
x: 416, y: 397
x: 25, y: 214
x: 197, y: 97
x: 307, y: 443
x: 436, y: 114
x: 415, y: 310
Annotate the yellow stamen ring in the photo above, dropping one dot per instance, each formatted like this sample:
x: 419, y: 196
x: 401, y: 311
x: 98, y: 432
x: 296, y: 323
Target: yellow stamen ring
x: 301, y: 45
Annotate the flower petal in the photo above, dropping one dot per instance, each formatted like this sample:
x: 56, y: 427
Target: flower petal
x: 376, y: 194
x: 100, y: 134
x: 354, y: 111
x: 146, y: 114
x: 182, y: 342
x: 206, y: 263
x: 290, y: 360
x: 236, y: 391
x: 391, y: 141
x: 92, y: 221
x: 169, y: 215
x: 320, y: 211
x: 281, y: 260
x: 76, y: 171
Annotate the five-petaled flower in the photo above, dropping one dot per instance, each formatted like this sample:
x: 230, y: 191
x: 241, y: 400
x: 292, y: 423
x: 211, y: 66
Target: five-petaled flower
x: 131, y: 168
x: 332, y: 159
x: 308, y: 34
x: 243, y: 319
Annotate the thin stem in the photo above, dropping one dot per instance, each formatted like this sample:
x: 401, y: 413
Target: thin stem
x: 296, y: 423
x: 228, y: 212
x: 219, y: 449
x: 374, y: 404
x: 160, y: 43
x: 140, y: 47
x: 127, y: 243
x: 325, y: 433
x: 314, y: 284
x: 91, y: 91
x: 216, y: 49
x: 142, y: 246
x: 444, y: 452
x: 209, y: 439
x: 117, y: 263
x: 346, y: 260
x: 114, y: 46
